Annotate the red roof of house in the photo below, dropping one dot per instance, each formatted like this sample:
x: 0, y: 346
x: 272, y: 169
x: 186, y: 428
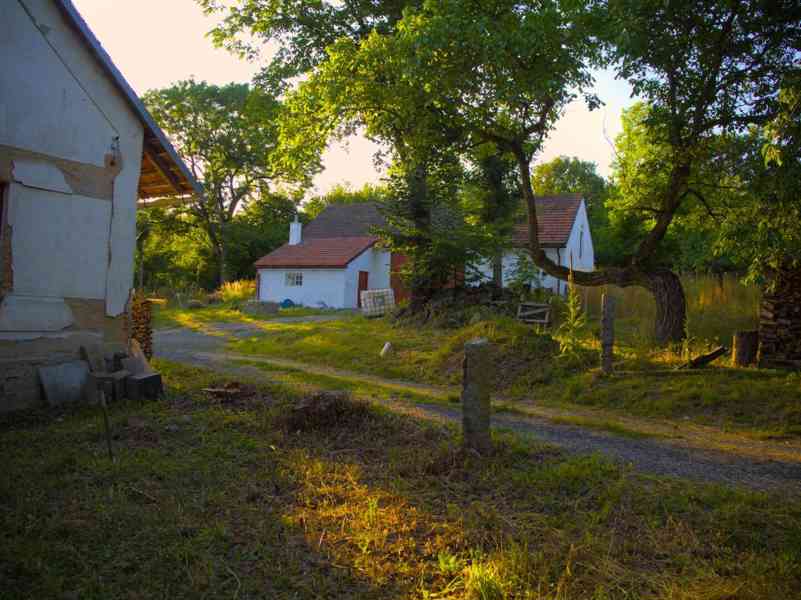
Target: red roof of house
x: 317, y: 253
x: 555, y: 218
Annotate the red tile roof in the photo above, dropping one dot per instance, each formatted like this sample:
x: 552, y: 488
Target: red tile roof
x: 555, y: 218
x: 318, y: 253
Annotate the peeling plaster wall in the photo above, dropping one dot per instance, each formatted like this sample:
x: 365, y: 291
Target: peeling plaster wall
x: 71, y: 111
x: 70, y: 245
x: 71, y: 150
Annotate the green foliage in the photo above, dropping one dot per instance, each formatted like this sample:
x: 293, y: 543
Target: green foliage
x: 175, y: 253
x: 574, y: 323
x: 258, y: 229
x: 229, y: 138
x: 763, y: 231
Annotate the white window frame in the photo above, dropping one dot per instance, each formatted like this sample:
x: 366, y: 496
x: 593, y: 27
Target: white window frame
x: 293, y: 279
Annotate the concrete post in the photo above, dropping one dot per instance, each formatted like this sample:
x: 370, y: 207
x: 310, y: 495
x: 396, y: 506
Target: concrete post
x: 607, y: 333
x: 476, y: 396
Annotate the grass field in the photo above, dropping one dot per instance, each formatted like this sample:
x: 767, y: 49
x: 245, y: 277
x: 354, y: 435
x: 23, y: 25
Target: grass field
x: 230, y: 500
x: 527, y: 365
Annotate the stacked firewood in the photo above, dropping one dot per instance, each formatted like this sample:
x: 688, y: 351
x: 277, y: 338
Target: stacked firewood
x: 780, y: 321
x: 140, y: 325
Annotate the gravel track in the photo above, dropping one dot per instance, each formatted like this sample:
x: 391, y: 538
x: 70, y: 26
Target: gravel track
x: 647, y: 455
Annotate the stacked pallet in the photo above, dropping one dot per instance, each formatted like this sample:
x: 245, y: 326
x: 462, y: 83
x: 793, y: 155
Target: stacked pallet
x: 780, y: 321
x: 140, y: 326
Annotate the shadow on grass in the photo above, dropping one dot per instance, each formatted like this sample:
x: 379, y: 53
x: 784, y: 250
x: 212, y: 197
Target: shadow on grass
x: 220, y: 498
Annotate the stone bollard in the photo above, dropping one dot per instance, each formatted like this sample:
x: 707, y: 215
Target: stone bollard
x: 607, y: 333
x: 476, y: 396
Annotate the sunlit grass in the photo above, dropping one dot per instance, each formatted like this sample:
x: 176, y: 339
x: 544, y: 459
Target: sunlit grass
x: 216, y: 500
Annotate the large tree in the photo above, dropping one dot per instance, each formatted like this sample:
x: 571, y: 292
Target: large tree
x: 228, y: 136
x: 706, y: 68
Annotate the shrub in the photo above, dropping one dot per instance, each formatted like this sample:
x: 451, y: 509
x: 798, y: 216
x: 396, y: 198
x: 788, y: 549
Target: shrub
x: 238, y: 291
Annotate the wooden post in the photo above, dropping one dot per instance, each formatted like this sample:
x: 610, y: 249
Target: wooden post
x: 607, y: 333
x: 744, y: 348
x: 476, y: 396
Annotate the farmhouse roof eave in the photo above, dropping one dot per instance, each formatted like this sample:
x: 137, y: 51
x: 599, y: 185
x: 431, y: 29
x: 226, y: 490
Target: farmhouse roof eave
x: 163, y: 172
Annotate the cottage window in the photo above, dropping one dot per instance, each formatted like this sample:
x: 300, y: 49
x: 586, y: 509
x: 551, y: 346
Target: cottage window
x: 581, y: 241
x: 294, y: 279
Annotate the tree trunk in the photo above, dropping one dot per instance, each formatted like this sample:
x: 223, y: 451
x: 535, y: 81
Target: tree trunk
x: 744, y: 348
x: 497, y: 271
x: 671, y: 306
x: 422, y: 286
x: 221, y: 260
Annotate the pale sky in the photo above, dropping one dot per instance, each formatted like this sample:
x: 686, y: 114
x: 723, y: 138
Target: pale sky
x: 157, y: 42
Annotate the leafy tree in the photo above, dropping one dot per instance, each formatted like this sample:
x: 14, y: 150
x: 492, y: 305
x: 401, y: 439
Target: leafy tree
x: 707, y: 68
x: 506, y: 69
x: 763, y: 231
x: 299, y: 31
x: 491, y: 194
x: 228, y: 137
x: 258, y: 229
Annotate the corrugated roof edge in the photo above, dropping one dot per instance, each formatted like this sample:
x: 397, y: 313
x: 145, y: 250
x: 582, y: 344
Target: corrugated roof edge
x: 77, y: 21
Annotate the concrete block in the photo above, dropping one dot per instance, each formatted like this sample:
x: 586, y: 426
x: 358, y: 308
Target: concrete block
x: 144, y: 386
x: 93, y: 354
x: 113, y: 384
x: 256, y: 308
x: 65, y: 383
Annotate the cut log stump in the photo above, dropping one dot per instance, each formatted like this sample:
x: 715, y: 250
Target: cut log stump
x: 744, y: 348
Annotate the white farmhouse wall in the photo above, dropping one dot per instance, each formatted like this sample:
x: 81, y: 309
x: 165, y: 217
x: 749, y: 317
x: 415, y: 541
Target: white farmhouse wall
x: 579, y: 246
x: 380, y: 269
x: 56, y: 101
x: 336, y: 288
x: 70, y: 246
x: 319, y: 285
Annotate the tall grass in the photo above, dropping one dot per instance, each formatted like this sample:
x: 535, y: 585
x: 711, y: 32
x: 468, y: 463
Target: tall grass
x: 716, y: 308
x: 238, y: 291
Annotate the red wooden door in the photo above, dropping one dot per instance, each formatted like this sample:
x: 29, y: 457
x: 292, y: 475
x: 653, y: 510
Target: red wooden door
x: 363, y: 275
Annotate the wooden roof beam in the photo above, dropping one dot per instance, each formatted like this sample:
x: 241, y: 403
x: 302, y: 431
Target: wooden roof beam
x: 163, y: 168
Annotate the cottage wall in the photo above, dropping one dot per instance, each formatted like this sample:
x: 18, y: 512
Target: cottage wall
x: 70, y: 158
x: 319, y: 286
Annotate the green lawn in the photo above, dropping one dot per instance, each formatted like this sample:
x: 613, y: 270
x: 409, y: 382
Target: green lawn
x: 528, y: 368
x: 239, y: 499
x: 165, y: 317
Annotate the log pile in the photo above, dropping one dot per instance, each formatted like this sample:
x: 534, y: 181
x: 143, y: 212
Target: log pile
x: 780, y: 322
x: 139, y: 323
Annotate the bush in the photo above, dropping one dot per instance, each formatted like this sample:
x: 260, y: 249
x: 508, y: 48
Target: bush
x: 236, y: 292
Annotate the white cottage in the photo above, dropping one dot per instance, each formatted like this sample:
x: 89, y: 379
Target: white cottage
x: 328, y: 262
x: 77, y: 149
x: 335, y: 257
x: 564, y: 234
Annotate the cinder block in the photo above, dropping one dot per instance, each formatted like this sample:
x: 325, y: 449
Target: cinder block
x: 144, y: 386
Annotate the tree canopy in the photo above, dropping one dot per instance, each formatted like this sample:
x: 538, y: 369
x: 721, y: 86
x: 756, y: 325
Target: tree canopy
x: 228, y: 136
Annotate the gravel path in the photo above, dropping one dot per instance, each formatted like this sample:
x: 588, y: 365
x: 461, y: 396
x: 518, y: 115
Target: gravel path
x: 647, y: 455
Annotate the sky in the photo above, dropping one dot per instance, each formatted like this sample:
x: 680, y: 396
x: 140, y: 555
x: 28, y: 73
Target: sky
x: 157, y: 42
